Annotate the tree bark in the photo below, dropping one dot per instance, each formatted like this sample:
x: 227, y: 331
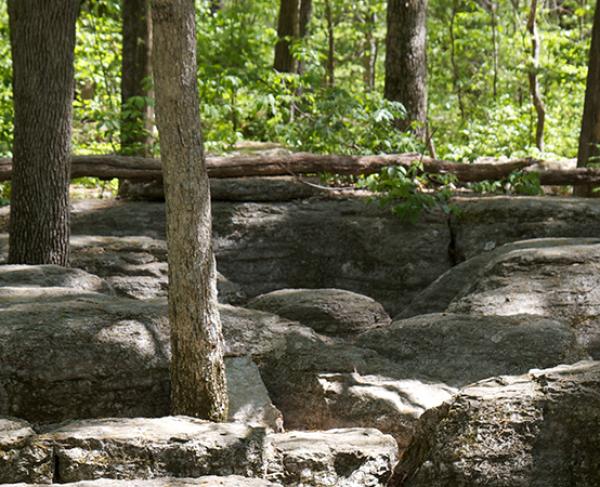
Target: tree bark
x: 136, y: 73
x: 198, y: 386
x: 589, y: 139
x: 287, y: 32
x: 406, y: 61
x: 330, y: 45
x: 534, y: 88
x: 370, y: 50
x: 42, y: 44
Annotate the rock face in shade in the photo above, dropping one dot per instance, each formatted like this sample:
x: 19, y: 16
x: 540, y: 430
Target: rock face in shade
x: 315, y: 243
x: 482, y: 224
x: 536, y: 430
x: 329, y: 311
x: 458, y: 349
x: 211, y: 481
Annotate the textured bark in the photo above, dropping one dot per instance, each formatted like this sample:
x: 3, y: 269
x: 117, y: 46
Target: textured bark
x: 136, y: 72
x: 42, y: 44
x: 306, y: 8
x: 198, y: 385
x: 534, y: 88
x: 589, y: 139
x: 406, y: 60
x: 287, y: 32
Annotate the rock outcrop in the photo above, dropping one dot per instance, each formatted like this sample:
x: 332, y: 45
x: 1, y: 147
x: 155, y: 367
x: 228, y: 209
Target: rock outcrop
x: 535, y: 430
x: 328, y: 311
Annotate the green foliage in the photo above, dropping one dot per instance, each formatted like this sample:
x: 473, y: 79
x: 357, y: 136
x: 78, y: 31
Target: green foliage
x: 4, y: 193
x: 410, y: 191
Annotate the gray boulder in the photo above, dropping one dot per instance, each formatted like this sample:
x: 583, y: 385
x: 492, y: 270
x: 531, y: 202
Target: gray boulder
x: 341, y: 458
x: 458, y: 349
x: 541, y: 429
x: 210, y: 481
x: 44, y: 276
x: 328, y: 311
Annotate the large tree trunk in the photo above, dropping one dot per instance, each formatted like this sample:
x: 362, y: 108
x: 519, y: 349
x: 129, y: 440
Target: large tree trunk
x: 589, y: 139
x: 198, y: 385
x: 406, y: 60
x: 136, y: 73
x: 288, y: 29
x: 42, y: 44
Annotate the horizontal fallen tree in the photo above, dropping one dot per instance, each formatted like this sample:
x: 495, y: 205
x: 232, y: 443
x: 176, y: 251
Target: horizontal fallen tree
x: 148, y: 169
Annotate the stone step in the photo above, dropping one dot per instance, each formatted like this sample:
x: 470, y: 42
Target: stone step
x: 147, y: 448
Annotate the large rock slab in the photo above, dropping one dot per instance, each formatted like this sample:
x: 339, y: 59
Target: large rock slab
x: 457, y: 281
x: 316, y: 243
x: 45, y: 276
x: 22, y: 459
x: 210, y: 481
x: 341, y: 458
x: 541, y: 429
x: 154, y: 447
x: 97, y: 356
x: 328, y: 311
x: 484, y: 223
x: 458, y: 349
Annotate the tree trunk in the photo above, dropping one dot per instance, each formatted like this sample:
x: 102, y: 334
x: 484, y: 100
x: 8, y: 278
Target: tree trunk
x: 42, y: 43
x: 534, y: 88
x: 305, y: 17
x: 370, y: 50
x: 198, y: 385
x: 406, y: 61
x: 589, y: 139
x: 330, y: 44
x: 287, y: 32
x: 136, y: 124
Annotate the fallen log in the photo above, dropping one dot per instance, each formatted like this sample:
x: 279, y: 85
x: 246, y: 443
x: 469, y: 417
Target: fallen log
x: 148, y: 169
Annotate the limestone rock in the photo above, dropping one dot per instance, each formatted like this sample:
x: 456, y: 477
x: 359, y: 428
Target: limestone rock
x: 341, y: 458
x: 328, y: 311
x: 459, y: 349
x: 561, y: 281
x: 44, y: 276
x: 157, y: 447
x: 211, y: 481
x: 316, y: 243
x: 456, y: 281
x: 541, y: 429
x: 22, y: 459
x: 249, y: 400
x: 484, y: 223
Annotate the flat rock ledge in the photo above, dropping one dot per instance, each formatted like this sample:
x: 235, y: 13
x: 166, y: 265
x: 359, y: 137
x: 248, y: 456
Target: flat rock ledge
x: 210, y: 481
x: 157, y: 449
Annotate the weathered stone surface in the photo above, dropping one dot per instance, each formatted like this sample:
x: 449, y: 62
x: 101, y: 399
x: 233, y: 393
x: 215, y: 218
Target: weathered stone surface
x: 456, y: 281
x: 391, y: 406
x: 460, y: 349
x: 482, y: 224
x: 211, y: 481
x: 329, y: 311
x: 536, y: 430
x: 342, y: 458
x: 21, y: 459
x: 342, y: 243
x: 50, y: 276
x: 249, y: 400
x: 156, y: 447
x: 64, y: 357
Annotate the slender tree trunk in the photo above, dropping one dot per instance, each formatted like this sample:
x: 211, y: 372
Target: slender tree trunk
x: 406, y: 61
x: 42, y: 43
x: 330, y: 44
x: 198, y: 385
x: 589, y: 139
x: 534, y: 87
x: 287, y: 32
x: 370, y: 51
x: 455, y: 70
x: 136, y: 74
x: 495, y: 47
